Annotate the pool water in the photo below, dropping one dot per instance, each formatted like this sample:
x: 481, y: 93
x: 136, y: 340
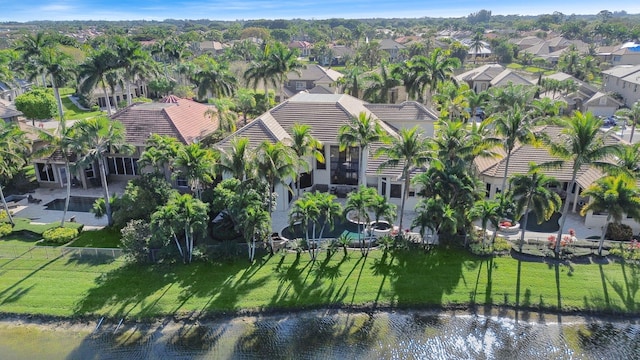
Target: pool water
x: 76, y: 203
x: 341, y: 226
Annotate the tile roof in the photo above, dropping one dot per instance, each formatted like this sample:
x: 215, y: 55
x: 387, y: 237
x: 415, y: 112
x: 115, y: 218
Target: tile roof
x: 7, y: 112
x: 408, y: 110
x: 324, y: 113
x: 316, y: 73
x: 484, y: 72
x: 509, y: 77
x: 622, y: 70
x: 522, y: 155
x: 181, y: 118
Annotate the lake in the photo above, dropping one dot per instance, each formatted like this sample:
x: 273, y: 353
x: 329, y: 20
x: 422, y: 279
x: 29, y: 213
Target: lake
x: 332, y: 335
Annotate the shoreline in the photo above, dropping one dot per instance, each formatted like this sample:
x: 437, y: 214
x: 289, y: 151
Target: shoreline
x: 530, y: 315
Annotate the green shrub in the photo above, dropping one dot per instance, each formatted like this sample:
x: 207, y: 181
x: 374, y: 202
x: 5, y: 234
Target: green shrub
x: 619, y: 232
x: 5, y: 229
x: 501, y: 244
x: 59, y: 235
x: 136, y: 236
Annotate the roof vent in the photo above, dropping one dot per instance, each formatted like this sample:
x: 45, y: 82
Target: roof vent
x: 171, y: 99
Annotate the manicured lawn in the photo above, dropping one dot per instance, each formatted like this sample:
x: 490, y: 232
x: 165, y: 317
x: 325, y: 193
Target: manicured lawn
x: 71, y: 111
x: 104, y: 238
x: 22, y: 224
x: 80, y: 286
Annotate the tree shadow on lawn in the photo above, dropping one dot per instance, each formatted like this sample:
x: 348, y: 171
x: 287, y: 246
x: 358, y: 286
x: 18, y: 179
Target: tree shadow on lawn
x: 418, y: 278
x: 303, y: 282
x: 118, y: 292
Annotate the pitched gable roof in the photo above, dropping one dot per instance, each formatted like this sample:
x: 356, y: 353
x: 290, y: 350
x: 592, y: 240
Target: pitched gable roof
x: 181, y: 118
x: 482, y: 73
x: 316, y: 73
x: 509, y: 77
x: 408, y: 110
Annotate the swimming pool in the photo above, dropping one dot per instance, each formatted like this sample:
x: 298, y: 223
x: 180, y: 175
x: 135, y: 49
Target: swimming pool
x: 341, y: 226
x: 76, y: 203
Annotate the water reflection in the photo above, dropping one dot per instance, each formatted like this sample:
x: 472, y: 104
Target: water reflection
x: 322, y: 334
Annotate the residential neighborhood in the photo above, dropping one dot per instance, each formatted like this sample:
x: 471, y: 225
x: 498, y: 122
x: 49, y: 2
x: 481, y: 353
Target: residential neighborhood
x: 203, y: 170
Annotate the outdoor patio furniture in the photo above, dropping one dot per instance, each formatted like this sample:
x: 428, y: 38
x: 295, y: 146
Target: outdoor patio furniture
x: 32, y: 200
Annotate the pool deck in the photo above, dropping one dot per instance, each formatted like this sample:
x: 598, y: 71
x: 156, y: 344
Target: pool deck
x: 38, y: 213
x: 280, y: 219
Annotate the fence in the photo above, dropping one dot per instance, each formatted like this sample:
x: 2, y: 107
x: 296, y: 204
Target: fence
x: 49, y: 252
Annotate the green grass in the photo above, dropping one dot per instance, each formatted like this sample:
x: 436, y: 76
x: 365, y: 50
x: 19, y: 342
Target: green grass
x: 104, y: 238
x: 82, y: 287
x: 71, y: 111
x: 22, y: 224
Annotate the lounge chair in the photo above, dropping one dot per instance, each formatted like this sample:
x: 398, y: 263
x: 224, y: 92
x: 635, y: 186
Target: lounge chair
x: 32, y: 200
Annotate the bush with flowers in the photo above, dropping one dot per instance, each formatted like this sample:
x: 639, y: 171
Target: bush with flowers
x: 630, y: 251
x: 565, y: 241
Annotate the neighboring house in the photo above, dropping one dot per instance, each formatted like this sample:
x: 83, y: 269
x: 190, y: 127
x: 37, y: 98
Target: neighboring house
x: 8, y: 114
x: 304, y: 47
x: 626, y: 54
x: 491, y: 172
x: 326, y: 113
x: 180, y: 118
x: 339, y: 55
x: 211, y: 47
x: 486, y: 76
x: 314, y: 79
x: 9, y: 92
x: 138, y: 88
x: 623, y: 80
x: 392, y: 48
x: 582, y: 98
x: 483, y: 52
x: 551, y: 49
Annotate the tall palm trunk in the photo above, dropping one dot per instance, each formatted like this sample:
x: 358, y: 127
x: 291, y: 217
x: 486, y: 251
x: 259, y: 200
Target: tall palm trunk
x: 105, y: 188
x: 106, y: 98
x: 6, y: 207
x: 363, y: 168
x: 506, y: 170
x: 407, y: 183
x: 565, y: 210
x: 129, y: 100
x: 604, y: 233
x: 633, y: 130
x: 56, y: 93
x: 524, y: 224
x: 66, y: 201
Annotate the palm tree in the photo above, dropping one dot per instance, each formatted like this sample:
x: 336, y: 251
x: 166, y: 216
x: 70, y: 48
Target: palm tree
x: 488, y: 211
x: 358, y: 202
x: 134, y: 62
x: 64, y: 141
x: 197, y: 164
x: 452, y: 100
x: 304, y: 145
x: 381, y: 209
x: 256, y: 225
x: 275, y: 163
x: 216, y: 78
x: 434, y: 213
x: 13, y: 148
x: 98, y: 137
x: 582, y: 143
x: 183, y: 213
x: 410, y: 150
x: 235, y: 159
x: 627, y: 162
x: 31, y: 48
x: 227, y: 118
x: 514, y: 127
x: 160, y: 151
x: 94, y: 71
x: 476, y: 44
x: 329, y: 210
x: 282, y: 61
x: 438, y: 68
x: 632, y: 115
x: 115, y: 79
x: 352, y: 81
x: 362, y: 132
x: 305, y: 210
x: 476, y: 101
x: 505, y: 98
x: 532, y: 192
x: 59, y: 66
x: 616, y: 196
x: 380, y: 84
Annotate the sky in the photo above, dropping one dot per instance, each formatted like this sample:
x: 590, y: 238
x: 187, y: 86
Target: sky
x: 27, y: 10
